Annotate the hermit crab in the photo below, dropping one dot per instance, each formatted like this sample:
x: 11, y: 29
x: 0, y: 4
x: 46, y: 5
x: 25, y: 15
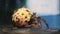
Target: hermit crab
x: 23, y: 17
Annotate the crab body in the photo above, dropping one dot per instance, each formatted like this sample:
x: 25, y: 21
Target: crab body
x: 24, y: 17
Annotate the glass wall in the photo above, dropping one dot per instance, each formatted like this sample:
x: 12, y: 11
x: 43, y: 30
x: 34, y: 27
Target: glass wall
x: 48, y: 9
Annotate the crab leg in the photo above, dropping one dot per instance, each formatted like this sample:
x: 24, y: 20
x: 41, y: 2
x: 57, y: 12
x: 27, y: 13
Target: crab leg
x: 39, y: 24
x: 45, y: 22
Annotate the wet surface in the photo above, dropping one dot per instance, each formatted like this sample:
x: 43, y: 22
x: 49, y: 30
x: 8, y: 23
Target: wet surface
x: 15, y: 30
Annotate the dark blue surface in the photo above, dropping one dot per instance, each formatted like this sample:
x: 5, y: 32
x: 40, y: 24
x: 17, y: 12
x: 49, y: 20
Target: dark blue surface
x: 53, y: 21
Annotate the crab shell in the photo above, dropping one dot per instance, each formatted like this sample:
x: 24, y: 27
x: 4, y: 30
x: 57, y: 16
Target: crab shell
x: 23, y: 14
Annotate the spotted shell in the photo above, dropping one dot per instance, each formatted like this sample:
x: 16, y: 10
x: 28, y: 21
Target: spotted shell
x: 23, y: 14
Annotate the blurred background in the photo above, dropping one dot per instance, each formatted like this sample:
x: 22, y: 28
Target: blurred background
x: 48, y: 9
